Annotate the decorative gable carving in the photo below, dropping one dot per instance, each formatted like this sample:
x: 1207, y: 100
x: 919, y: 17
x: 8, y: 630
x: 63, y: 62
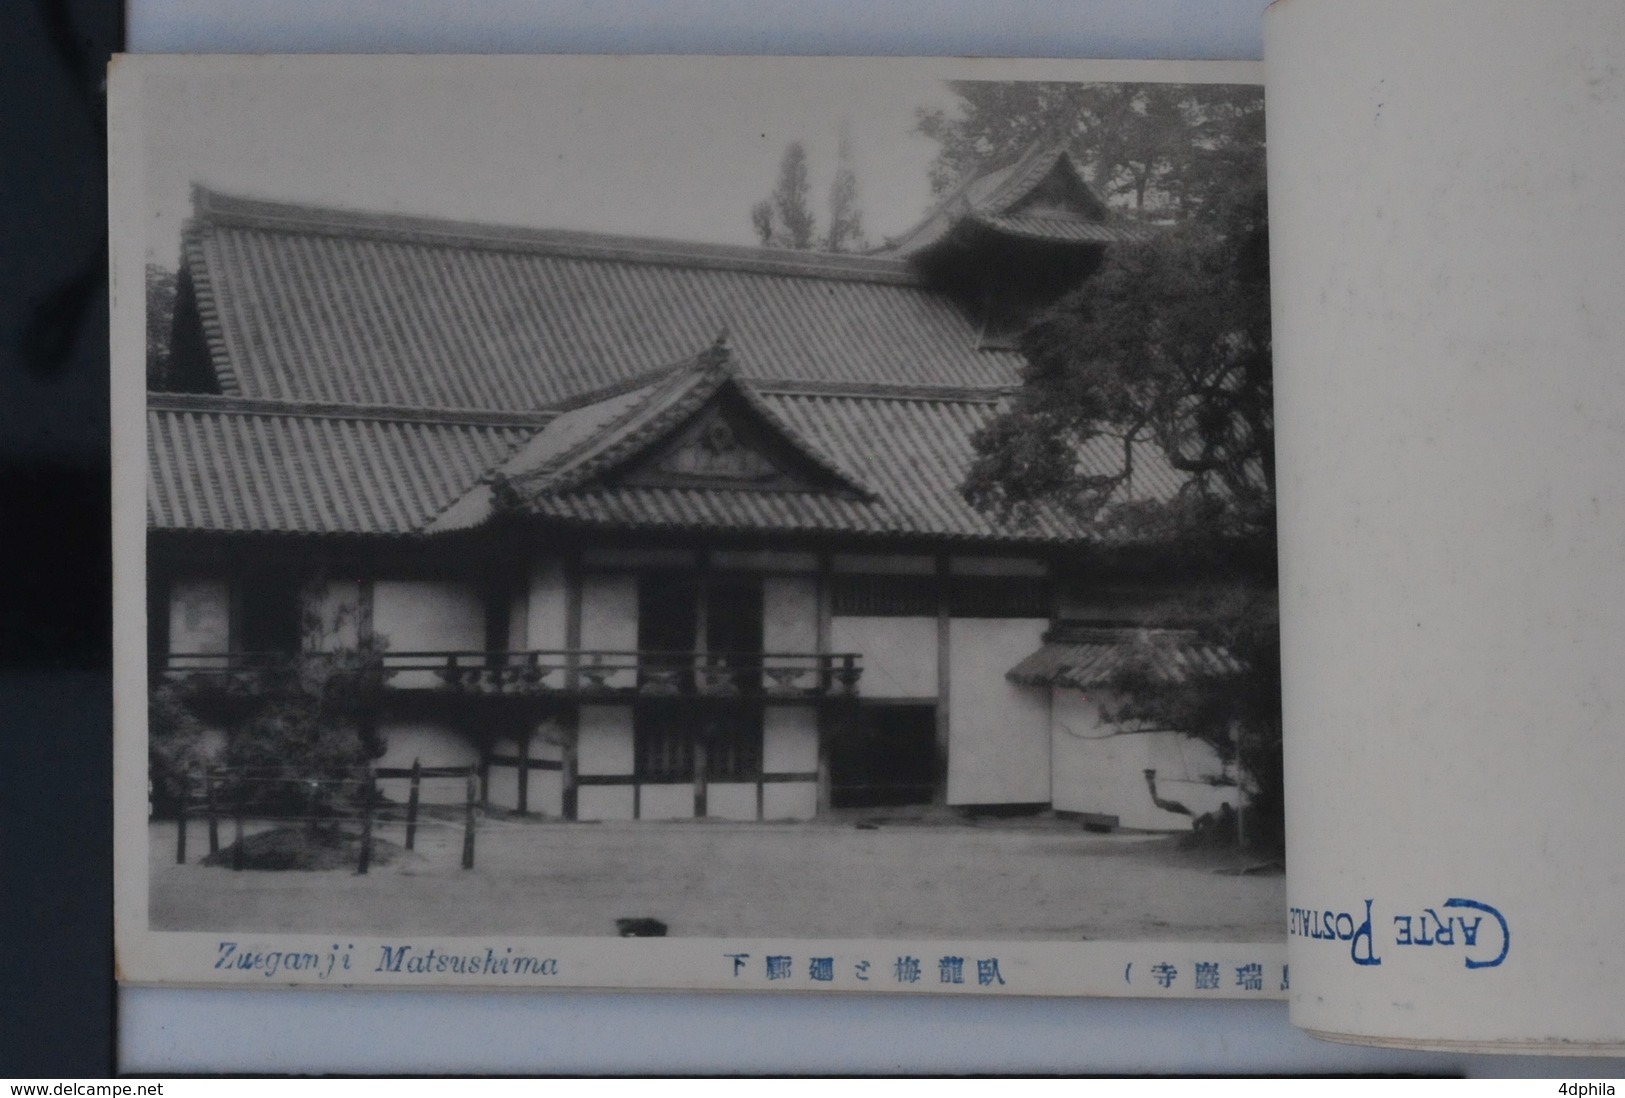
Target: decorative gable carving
x: 726, y: 445
x: 1061, y: 193
x: 712, y: 450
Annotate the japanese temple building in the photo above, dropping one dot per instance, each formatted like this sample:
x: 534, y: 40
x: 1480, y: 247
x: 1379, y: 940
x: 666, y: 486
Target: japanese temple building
x: 657, y: 530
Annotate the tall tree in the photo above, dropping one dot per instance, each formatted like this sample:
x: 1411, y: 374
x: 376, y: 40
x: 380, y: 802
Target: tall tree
x: 790, y: 198
x: 783, y: 219
x: 1161, y: 150
x: 845, y: 219
x: 161, y: 288
x: 1168, y: 347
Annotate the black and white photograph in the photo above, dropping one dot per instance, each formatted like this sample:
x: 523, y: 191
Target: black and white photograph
x: 738, y: 501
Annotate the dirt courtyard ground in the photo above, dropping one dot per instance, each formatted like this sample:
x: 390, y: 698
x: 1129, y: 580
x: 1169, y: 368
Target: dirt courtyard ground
x: 1041, y: 879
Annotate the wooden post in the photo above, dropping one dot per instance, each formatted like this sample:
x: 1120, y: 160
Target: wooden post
x: 367, y: 794
x: 363, y: 609
x: 524, y: 772
x: 939, y: 792
x: 825, y: 623
x: 569, y: 727
x: 214, y: 816
x: 180, y: 824
x: 700, y: 807
x: 468, y: 825
x: 828, y: 724
x: 572, y: 622
x: 412, y: 804
x: 237, y: 831
x: 570, y: 720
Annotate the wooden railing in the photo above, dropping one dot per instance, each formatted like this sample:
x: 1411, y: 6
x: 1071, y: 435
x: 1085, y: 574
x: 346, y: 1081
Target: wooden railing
x: 577, y: 672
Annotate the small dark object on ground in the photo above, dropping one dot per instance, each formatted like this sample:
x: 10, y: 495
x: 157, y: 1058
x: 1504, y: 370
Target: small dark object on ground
x: 300, y: 847
x: 1002, y: 811
x: 640, y: 928
x: 1213, y: 829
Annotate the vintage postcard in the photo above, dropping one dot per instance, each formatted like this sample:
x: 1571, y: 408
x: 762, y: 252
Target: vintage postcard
x: 713, y: 523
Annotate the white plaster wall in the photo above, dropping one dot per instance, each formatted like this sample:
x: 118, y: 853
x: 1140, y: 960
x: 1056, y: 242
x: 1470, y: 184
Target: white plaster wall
x: 604, y: 802
x: 432, y: 744
x: 899, y: 654
x: 790, y: 623
x: 789, y: 746
x: 789, y: 739
x: 609, y: 618
x: 998, y: 732
x: 790, y: 613
x: 547, y: 741
x: 546, y: 786
x: 502, y: 785
x: 731, y: 800
x: 427, y: 615
x: 667, y: 801
x: 789, y: 801
x: 547, y: 792
x: 200, y: 617
x: 604, y: 744
x: 547, y: 603
x: 1100, y: 772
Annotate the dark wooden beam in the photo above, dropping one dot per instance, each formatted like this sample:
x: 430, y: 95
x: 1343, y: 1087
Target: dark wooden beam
x: 939, y: 794
x: 570, y: 720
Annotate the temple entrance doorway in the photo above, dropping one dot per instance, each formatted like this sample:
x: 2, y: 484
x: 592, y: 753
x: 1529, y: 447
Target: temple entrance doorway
x: 885, y: 757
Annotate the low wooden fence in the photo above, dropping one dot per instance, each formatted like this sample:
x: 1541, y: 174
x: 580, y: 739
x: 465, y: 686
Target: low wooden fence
x: 241, y: 794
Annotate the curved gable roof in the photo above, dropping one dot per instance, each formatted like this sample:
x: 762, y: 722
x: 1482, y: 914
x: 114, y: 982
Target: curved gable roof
x: 1041, y: 195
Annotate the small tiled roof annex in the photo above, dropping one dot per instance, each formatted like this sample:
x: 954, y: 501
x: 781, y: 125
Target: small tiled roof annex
x: 304, y: 304
x: 994, y: 200
x: 1086, y: 657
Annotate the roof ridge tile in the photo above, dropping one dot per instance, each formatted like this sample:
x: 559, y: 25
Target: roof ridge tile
x: 223, y: 210
x: 233, y: 404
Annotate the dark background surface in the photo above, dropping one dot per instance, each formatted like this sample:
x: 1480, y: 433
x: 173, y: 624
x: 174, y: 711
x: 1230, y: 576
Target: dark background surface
x: 56, y: 845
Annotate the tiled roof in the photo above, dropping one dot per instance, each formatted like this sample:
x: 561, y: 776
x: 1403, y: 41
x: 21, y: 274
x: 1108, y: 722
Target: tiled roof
x: 1086, y: 657
x: 911, y: 453
x: 994, y: 200
x: 224, y: 464
x: 579, y: 448
x: 636, y: 423
x: 308, y: 305
x: 1055, y: 228
x: 216, y: 464
x: 388, y: 375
